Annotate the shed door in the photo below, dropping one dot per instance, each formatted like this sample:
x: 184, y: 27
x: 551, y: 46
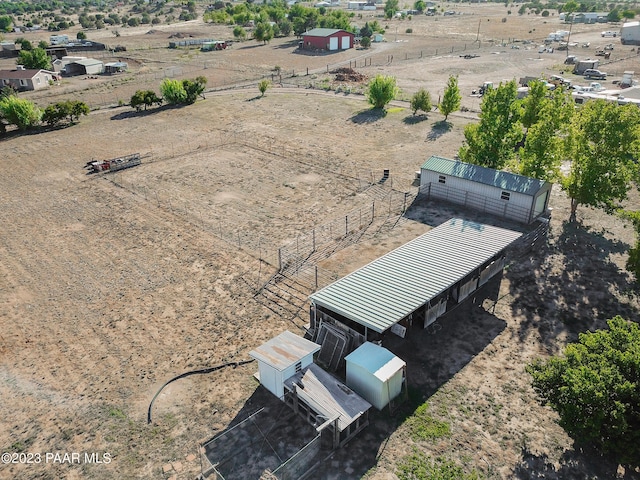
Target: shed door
x: 346, y: 44
x: 333, y: 43
x: 541, y: 201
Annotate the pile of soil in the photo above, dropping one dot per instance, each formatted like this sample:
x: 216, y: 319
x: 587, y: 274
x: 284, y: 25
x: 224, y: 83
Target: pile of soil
x: 345, y: 74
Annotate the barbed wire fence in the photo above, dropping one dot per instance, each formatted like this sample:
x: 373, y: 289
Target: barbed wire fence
x: 119, y: 92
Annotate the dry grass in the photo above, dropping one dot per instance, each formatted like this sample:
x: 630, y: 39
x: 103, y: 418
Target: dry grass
x: 110, y: 288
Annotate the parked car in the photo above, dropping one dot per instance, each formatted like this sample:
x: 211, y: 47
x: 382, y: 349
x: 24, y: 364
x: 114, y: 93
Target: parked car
x: 609, y: 33
x: 595, y: 74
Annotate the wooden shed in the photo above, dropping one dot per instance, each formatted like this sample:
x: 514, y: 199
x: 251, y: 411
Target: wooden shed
x: 281, y: 358
x: 376, y: 374
x: 327, y: 39
x: 507, y: 195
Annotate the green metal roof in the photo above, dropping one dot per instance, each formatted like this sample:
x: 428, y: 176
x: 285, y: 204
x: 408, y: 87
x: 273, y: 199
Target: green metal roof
x: 383, y: 292
x: 323, y: 32
x: 497, y: 178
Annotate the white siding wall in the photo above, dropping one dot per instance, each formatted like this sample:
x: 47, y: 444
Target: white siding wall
x: 367, y: 385
x: 519, y: 204
x: 271, y: 379
x: 395, y: 385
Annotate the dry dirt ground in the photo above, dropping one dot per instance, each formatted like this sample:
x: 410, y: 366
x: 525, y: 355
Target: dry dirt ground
x: 111, y: 285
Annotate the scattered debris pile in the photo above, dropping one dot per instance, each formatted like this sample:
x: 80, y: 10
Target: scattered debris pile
x: 346, y: 74
x: 181, y: 35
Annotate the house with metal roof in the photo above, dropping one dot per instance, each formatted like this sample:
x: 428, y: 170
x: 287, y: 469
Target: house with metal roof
x: 507, y: 195
x: 414, y: 284
x: 331, y: 39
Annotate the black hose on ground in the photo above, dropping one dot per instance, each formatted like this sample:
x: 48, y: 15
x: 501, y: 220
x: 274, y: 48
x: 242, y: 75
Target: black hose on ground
x: 194, y: 372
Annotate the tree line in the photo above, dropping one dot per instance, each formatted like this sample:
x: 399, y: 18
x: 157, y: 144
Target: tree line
x: 26, y: 115
x: 173, y: 92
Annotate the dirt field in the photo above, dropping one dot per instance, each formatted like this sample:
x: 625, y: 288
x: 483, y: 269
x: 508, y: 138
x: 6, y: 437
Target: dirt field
x: 111, y: 285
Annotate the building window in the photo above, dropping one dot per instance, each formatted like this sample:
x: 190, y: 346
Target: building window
x: 505, y: 196
x: 23, y: 82
x: 38, y: 80
x: 298, y: 367
x: 442, y: 179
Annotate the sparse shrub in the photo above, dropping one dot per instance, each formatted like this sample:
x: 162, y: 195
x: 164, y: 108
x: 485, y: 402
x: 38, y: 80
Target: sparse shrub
x: 262, y: 86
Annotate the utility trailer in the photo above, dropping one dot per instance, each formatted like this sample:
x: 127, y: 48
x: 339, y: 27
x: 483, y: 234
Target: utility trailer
x: 114, y: 164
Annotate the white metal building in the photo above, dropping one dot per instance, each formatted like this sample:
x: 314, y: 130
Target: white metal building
x: 415, y: 283
x: 281, y: 358
x: 375, y: 373
x: 500, y: 193
x: 630, y: 33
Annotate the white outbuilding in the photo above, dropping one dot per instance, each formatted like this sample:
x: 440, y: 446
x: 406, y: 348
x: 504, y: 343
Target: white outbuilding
x: 504, y: 194
x: 376, y: 374
x: 281, y: 358
x: 630, y: 33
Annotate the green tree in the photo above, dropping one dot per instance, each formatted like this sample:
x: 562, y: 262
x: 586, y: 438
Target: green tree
x: 43, y: 44
x: 5, y: 23
x: 451, y: 98
x: 24, y: 43
x: 36, y: 59
x: 133, y: 21
x: 365, y: 42
x: 366, y: 31
x: 604, y: 140
x: 70, y: 110
x: 533, y: 102
x: 76, y: 109
x: 144, y: 98
x: 173, y: 91
x: 633, y: 262
x: 262, y: 86
x: 53, y: 115
x: 193, y: 89
x: 492, y: 142
x: 390, y: 8
x: 286, y: 27
x: 421, y: 100
x: 628, y: 14
x: 20, y: 112
x: 381, y: 90
x: 419, y: 5
x: 614, y: 16
x: 595, y: 388
x: 545, y: 144
x: 263, y: 32
x: 239, y: 33
x: 81, y: 36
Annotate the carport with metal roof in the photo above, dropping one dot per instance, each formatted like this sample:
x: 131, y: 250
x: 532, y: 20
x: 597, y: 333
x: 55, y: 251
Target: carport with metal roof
x: 438, y: 265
